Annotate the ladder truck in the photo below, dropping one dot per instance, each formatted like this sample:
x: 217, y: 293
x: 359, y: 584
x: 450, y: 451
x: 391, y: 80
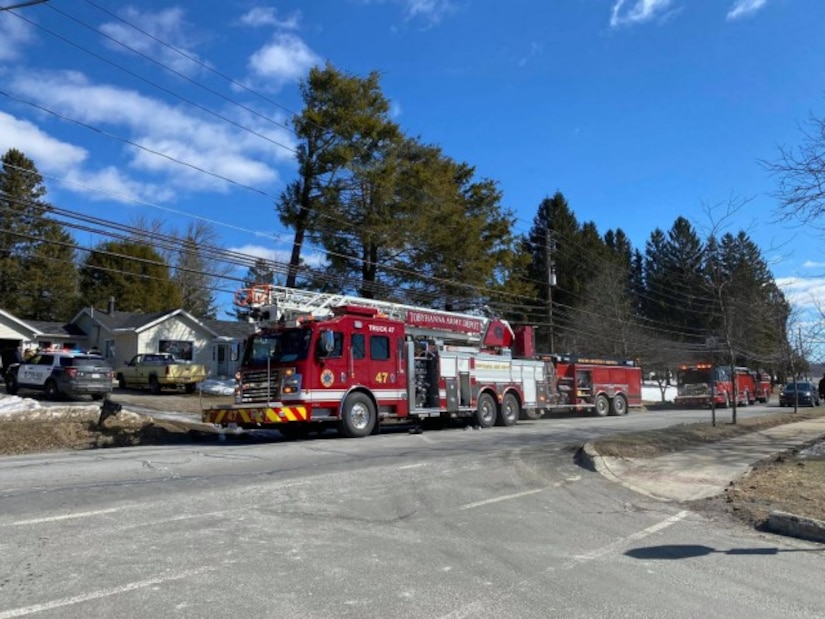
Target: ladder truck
x: 319, y: 359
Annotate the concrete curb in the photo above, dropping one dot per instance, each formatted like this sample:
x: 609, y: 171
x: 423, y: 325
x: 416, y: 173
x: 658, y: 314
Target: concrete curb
x: 809, y: 529
x: 779, y: 522
x: 593, y: 460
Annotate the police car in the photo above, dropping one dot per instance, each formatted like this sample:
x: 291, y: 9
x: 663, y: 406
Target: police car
x: 62, y: 374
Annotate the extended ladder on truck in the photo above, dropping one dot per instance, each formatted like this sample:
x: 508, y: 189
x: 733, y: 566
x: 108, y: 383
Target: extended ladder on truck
x: 270, y: 305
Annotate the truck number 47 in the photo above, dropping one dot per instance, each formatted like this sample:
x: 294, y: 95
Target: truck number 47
x: 381, y: 377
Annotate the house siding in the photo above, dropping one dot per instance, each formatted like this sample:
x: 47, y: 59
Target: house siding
x: 176, y: 329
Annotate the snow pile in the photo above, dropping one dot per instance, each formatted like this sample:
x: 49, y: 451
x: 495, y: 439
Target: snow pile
x: 652, y: 393
x: 13, y: 405
x: 216, y: 386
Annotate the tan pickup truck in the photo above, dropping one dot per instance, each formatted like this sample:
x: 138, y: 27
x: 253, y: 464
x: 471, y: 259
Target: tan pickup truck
x: 157, y: 371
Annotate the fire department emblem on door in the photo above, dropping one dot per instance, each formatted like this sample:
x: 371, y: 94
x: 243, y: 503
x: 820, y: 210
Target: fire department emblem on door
x: 327, y: 378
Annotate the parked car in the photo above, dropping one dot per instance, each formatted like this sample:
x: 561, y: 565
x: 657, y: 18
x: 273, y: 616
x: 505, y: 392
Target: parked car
x: 62, y: 374
x: 157, y: 371
x: 804, y: 393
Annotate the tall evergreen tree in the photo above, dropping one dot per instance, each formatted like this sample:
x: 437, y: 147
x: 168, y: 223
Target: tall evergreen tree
x: 552, y: 243
x: 131, y: 273
x: 677, y: 294
x: 52, y: 276
x: 38, y: 276
x: 344, y: 122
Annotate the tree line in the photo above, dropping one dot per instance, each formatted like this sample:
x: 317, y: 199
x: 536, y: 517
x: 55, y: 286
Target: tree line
x: 396, y: 218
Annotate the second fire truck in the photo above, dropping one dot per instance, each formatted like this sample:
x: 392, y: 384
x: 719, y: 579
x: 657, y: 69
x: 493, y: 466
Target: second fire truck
x: 320, y: 359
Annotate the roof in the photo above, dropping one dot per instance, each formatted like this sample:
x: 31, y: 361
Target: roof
x: 56, y: 329
x: 131, y: 321
x: 234, y: 329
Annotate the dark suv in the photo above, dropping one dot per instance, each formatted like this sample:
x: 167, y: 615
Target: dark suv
x: 803, y: 393
x: 62, y: 373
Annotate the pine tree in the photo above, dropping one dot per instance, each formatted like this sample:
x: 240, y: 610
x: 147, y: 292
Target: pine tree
x: 131, y: 273
x: 38, y: 276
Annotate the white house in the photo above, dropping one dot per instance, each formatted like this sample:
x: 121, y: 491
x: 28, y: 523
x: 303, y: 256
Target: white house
x: 119, y: 336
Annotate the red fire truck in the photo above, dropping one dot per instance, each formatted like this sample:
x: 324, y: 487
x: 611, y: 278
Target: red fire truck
x: 703, y: 383
x: 320, y: 359
x: 745, y: 387
x: 762, y: 380
x: 605, y: 386
x: 696, y: 384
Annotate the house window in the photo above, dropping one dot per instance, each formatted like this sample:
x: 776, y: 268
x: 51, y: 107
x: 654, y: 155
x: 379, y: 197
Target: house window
x: 180, y: 349
x: 109, y: 349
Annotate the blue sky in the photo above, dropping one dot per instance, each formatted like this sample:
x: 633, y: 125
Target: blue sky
x: 639, y: 111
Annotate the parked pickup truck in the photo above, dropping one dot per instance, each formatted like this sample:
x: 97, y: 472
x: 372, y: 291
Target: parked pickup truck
x: 157, y: 371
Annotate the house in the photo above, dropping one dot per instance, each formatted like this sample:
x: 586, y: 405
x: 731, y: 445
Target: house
x: 119, y: 336
x: 19, y: 336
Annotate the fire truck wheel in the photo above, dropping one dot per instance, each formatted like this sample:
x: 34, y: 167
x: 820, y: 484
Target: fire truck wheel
x: 602, y: 405
x: 510, y: 410
x: 486, y: 412
x: 357, y: 416
x: 618, y: 405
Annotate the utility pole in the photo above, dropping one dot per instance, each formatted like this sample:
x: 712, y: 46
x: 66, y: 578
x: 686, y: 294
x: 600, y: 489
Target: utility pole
x: 550, y: 265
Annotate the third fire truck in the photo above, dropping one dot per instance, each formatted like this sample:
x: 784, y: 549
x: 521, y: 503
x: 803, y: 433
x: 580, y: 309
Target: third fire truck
x: 320, y: 359
x: 703, y: 384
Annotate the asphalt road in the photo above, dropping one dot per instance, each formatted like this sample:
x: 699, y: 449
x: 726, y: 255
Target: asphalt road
x: 488, y: 523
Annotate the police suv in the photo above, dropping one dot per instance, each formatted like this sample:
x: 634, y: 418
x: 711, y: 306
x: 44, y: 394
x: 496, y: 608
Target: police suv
x: 62, y: 373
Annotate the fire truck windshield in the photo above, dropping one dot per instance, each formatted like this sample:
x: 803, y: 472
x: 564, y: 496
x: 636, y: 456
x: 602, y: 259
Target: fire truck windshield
x: 694, y: 376
x: 279, y: 346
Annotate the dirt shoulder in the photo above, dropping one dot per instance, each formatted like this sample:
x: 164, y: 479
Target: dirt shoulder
x: 79, y: 427
x: 786, y: 482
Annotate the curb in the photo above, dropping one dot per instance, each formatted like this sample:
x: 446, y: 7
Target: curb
x: 783, y: 523
x: 779, y: 522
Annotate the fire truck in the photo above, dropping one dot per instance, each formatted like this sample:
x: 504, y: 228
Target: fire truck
x: 762, y: 380
x: 702, y: 384
x: 318, y: 360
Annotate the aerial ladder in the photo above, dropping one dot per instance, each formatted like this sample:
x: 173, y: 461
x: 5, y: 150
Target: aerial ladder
x: 270, y: 305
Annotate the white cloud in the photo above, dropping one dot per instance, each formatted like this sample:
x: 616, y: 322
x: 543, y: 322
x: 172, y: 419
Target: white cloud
x: 69, y: 164
x: 638, y: 12
x: 431, y: 10
x: 167, y: 26
x: 280, y: 255
x: 214, y: 145
x: 14, y: 33
x: 268, y: 16
x: 804, y: 293
x: 745, y: 8
x: 285, y: 58
x: 48, y: 153
x: 111, y: 184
